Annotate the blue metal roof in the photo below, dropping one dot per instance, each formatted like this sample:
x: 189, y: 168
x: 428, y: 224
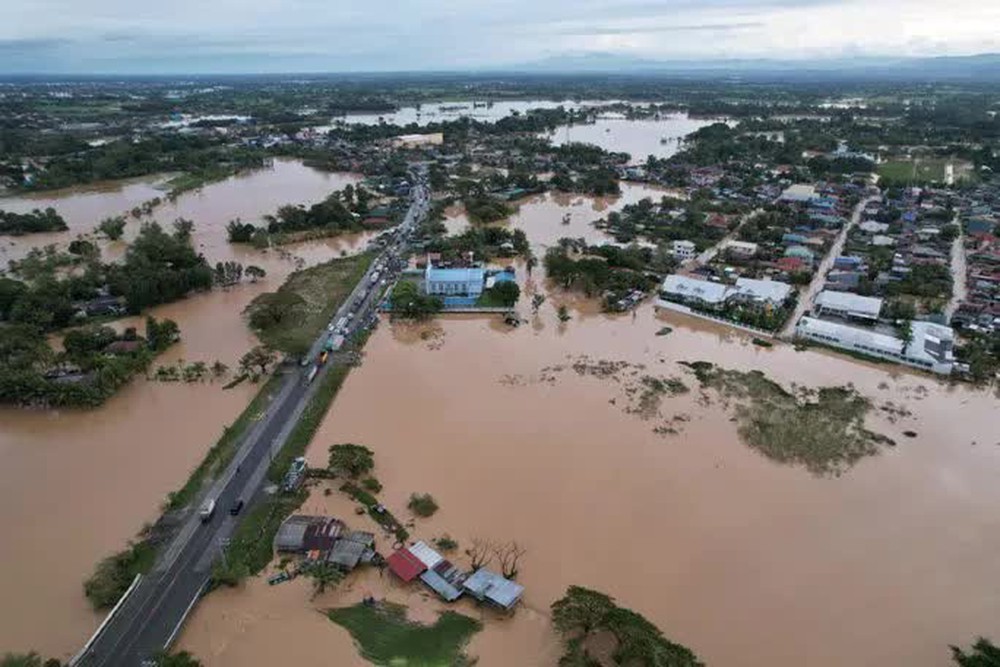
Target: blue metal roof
x: 488, y: 585
x: 456, y: 275
x: 440, y: 585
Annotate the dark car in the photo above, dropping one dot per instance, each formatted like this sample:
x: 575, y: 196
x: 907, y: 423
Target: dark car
x: 237, y: 506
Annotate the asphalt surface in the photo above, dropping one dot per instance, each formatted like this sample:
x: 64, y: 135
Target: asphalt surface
x: 149, y: 620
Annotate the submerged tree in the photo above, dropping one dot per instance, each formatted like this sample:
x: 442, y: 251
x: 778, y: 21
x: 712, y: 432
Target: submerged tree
x: 354, y: 460
x: 983, y: 654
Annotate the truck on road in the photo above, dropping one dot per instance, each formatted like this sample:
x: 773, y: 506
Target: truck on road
x: 312, y: 374
x: 207, y: 510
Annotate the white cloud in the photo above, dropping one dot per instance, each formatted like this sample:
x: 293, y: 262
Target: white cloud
x: 380, y: 34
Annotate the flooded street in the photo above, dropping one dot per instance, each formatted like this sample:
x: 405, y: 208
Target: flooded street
x: 745, y: 561
x: 77, y: 485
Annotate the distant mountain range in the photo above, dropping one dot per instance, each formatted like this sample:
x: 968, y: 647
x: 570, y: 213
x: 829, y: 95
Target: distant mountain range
x: 982, y: 67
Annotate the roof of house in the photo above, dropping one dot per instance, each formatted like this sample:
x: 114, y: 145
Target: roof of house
x: 292, y: 532
x: 321, y: 534
x: 790, y: 263
x: 440, y: 585
x: 799, y: 192
x: 873, y: 226
x: 849, y: 335
x: 774, y: 291
x: 848, y: 301
x: 799, y: 251
x: 466, y: 275
x: 346, y: 553
x: 405, y: 565
x: 695, y: 289
x: 425, y: 554
x: 742, y: 245
x: 485, y: 584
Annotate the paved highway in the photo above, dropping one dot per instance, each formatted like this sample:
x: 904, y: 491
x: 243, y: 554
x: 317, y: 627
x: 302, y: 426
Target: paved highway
x: 150, y: 618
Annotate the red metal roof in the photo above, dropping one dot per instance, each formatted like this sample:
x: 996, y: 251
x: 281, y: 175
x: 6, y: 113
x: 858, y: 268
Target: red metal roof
x: 405, y: 565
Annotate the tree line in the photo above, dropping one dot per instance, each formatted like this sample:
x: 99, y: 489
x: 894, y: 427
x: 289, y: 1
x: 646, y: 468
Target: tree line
x: 16, y: 224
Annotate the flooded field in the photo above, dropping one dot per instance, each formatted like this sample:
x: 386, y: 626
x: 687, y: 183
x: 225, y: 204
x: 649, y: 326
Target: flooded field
x: 76, y: 485
x: 639, y: 138
x: 248, y: 196
x: 746, y: 561
x: 437, y: 112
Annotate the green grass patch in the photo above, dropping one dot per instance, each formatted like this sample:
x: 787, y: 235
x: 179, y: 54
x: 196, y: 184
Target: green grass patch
x: 913, y: 171
x: 114, y: 574
x: 382, y: 516
x: 252, y: 544
x: 225, y: 449
x: 821, y: 429
x: 290, y: 319
x: 384, y: 636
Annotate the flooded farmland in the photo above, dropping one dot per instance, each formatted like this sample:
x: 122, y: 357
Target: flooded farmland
x: 742, y: 559
x: 77, y: 485
x: 661, y: 137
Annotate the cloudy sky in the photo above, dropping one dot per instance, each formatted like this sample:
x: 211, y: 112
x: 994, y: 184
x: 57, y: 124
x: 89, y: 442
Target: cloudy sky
x: 209, y: 36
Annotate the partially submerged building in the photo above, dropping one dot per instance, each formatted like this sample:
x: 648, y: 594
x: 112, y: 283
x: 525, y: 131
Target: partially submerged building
x: 848, y: 305
x: 930, y: 347
x: 454, y: 282
x: 488, y: 586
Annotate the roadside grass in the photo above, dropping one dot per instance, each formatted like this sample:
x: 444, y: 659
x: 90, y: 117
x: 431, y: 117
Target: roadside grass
x: 322, y: 289
x: 384, y: 636
x: 225, y: 448
x: 312, y: 417
x: 820, y: 429
x: 252, y: 545
x: 114, y: 574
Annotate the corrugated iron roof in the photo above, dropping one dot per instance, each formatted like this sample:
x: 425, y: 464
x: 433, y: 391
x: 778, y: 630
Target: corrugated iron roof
x: 440, y: 585
x: 488, y: 585
x: 425, y: 554
x: 405, y: 565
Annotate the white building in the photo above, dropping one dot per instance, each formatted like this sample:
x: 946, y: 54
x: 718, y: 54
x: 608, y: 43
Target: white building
x: 873, y: 227
x: 741, y: 248
x: 799, y: 192
x: 848, y: 305
x: 684, y: 289
x: 684, y: 250
x: 773, y: 292
x: 930, y: 346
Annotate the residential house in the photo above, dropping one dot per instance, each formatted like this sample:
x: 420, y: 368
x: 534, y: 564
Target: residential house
x: 848, y: 305
x: 488, y: 586
x: 760, y: 292
x: 691, y: 291
x: 741, y: 249
x: 683, y: 250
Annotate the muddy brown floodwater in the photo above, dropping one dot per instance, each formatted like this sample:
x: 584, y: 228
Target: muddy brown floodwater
x: 77, y: 485
x: 745, y: 561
